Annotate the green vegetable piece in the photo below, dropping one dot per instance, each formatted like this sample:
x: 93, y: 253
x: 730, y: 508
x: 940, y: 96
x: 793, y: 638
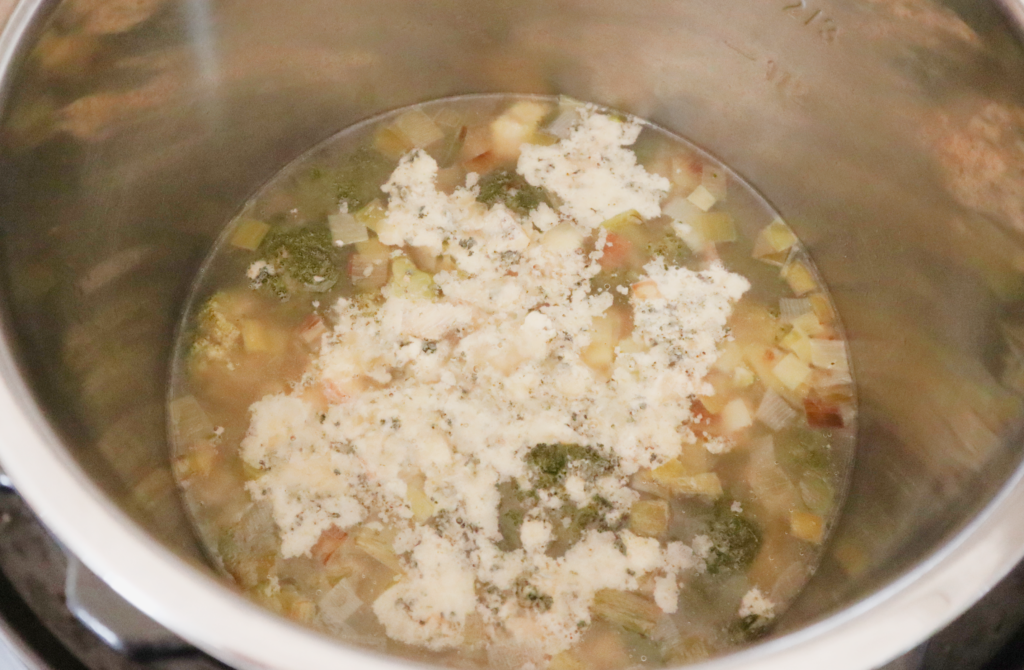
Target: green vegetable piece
x: 300, y: 259
x: 631, y: 611
x: 509, y: 188
x: 736, y: 541
x: 551, y: 462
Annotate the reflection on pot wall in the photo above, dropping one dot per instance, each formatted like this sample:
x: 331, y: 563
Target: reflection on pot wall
x: 890, y: 133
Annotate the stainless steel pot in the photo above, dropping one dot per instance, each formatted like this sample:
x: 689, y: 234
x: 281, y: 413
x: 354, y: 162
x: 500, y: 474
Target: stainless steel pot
x: 889, y: 132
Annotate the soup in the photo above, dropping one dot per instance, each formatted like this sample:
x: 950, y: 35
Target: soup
x: 506, y: 380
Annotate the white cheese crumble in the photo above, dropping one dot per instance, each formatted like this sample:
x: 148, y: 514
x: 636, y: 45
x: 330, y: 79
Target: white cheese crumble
x: 755, y: 603
x: 456, y: 391
x: 593, y: 173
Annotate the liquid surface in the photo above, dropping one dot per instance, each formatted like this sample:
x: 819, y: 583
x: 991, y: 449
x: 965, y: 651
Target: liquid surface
x: 501, y: 380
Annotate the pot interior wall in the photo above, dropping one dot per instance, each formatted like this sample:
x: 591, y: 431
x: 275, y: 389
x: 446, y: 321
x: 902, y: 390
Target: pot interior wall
x: 890, y: 134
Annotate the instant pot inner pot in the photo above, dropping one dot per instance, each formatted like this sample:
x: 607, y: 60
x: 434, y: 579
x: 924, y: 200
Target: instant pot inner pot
x: 890, y: 134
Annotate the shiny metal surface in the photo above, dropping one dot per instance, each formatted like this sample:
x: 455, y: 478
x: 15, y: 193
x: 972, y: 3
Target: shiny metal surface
x: 889, y: 132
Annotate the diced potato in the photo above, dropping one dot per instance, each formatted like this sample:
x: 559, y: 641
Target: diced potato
x: 809, y: 323
x: 806, y: 526
x: 702, y: 198
x: 257, y: 337
x: 409, y: 282
x: 566, y: 660
x: 599, y: 355
x: 742, y: 376
x: 631, y: 611
x: 707, y: 484
x: 799, y: 278
x: 774, y: 241
x: 249, y: 233
x: 714, y: 404
x: 822, y: 308
x: 391, y: 142
x: 345, y: 229
x: 563, y: 238
x: 649, y: 517
x: 798, y: 342
x: 829, y: 355
x: 690, y: 462
x: 371, y: 215
x: 418, y: 129
x: 645, y: 482
x: 646, y: 290
x: 422, y: 506
x: 791, y: 371
x: 631, y: 345
x: 736, y: 416
x: 518, y: 124
x: 717, y: 227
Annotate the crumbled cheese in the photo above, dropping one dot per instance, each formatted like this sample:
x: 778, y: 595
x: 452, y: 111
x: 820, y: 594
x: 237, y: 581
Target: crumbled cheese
x: 455, y: 391
x: 593, y: 173
x: 755, y: 603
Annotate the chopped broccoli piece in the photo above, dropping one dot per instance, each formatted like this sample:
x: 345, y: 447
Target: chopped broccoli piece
x: 551, y: 462
x: 751, y: 627
x: 735, y: 539
x: 298, y: 259
x: 531, y: 598
x: 511, y: 189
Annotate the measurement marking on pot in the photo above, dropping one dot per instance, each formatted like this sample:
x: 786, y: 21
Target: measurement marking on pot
x: 826, y: 27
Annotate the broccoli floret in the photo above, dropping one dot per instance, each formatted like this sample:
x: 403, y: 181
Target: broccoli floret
x: 216, y: 335
x: 298, y: 259
x: 511, y: 189
x: 735, y: 541
x: 551, y: 462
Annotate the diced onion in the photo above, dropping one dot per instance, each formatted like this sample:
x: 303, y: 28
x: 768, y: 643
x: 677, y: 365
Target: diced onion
x: 568, y: 117
x: 345, y: 229
x: 774, y: 412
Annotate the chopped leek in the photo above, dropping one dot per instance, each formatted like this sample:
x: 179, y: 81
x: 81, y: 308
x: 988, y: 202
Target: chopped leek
x: 631, y: 611
x: 409, y: 282
x: 792, y: 308
x: 775, y: 412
